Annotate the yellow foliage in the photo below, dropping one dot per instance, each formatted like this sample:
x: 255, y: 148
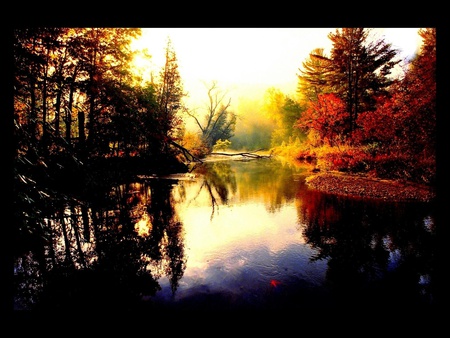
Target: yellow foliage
x: 191, y: 140
x: 221, y: 145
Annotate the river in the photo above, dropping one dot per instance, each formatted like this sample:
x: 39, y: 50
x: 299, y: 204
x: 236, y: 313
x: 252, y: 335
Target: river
x: 230, y: 235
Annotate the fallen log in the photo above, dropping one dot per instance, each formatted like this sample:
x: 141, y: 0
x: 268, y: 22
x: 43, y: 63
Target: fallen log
x: 251, y: 154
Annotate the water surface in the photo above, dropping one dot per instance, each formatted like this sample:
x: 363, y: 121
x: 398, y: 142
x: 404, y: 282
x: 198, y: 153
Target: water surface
x: 231, y: 235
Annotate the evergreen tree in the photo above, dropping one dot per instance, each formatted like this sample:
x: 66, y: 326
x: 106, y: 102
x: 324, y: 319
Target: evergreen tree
x: 169, y: 97
x: 312, y: 79
x: 359, y: 70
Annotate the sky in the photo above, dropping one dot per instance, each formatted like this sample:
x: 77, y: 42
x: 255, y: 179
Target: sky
x: 245, y: 62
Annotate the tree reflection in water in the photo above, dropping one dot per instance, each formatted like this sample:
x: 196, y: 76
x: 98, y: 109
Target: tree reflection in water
x: 99, y: 257
x: 109, y: 252
x: 378, y: 252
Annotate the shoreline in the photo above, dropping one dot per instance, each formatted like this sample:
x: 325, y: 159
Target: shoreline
x: 367, y: 187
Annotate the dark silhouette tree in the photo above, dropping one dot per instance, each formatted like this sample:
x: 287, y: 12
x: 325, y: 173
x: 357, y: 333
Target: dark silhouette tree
x: 33, y: 50
x: 169, y: 98
x: 105, y: 58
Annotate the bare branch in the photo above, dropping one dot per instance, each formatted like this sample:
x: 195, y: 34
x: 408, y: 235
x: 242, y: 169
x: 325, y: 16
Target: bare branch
x: 245, y: 154
x: 187, y: 155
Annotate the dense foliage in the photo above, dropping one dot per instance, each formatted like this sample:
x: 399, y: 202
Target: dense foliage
x: 360, y: 118
x: 80, y: 119
x: 84, y: 126
x: 80, y: 110
x: 74, y: 93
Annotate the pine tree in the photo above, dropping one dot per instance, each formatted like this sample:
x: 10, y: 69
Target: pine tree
x: 170, y: 94
x: 359, y: 70
x: 312, y: 79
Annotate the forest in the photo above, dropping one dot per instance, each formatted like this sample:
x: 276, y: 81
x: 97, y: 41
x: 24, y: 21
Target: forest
x: 354, y: 114
x: 81, y: 116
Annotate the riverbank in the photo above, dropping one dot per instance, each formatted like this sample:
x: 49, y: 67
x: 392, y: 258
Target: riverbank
x: 368, y: 187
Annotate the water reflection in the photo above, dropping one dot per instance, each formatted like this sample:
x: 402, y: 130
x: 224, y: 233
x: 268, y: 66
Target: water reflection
x: 378, y: 253
x: 228, y: 235
x: 105, y: 258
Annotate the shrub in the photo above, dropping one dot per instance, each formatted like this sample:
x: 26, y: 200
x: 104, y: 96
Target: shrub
x: 346, y: 159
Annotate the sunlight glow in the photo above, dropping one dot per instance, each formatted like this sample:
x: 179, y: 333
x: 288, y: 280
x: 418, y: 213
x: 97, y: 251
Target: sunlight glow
x: 245, y: 62
x: 143, y: 226
x: 239, y: 228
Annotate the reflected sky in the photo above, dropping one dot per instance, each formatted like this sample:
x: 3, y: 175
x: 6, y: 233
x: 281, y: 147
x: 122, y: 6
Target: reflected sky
x: 243, y: 247
x: 234, y: 235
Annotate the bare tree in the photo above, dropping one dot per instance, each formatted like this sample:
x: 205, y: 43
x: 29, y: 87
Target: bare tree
x: 219, y: 122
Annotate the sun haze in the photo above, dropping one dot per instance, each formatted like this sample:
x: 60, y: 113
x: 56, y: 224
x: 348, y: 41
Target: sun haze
x: 245, y: 62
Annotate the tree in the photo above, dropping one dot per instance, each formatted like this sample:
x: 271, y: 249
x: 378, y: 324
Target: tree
x: 327, y: 117
x: 291, y: 112
x: 75, y: 95
x: 104, y: 60
x: 70, y: 70
x: 218, y: 122
x: 283, y: 112
x: 169, y: 96
x: 404, y: 124
x: 359, y: 70
x: 33, y: 50
x: 273, y: 106
x: 82, y: 76
x: 312, y: 79
x: 254, y: 129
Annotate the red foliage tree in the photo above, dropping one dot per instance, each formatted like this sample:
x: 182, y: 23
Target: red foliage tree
x: 380, y: 126
x: 403, y: 126
x: 327, y: 116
